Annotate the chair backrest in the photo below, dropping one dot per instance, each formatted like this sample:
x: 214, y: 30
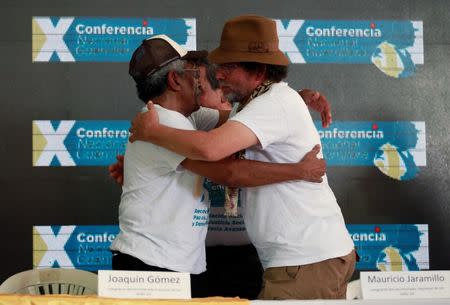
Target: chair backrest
x: 354, y: 290
x: 51, y: 281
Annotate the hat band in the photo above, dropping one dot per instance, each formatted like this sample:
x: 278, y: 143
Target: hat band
x: 165, y: 63
x: 249, y: 46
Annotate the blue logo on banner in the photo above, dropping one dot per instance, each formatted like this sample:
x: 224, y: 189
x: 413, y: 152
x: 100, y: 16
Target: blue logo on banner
x: 100, y: 39
x: 393, y: 247
x: 398, y: 247
x: 396, y: 148
x: 81, y: 247
x: 394, y: 46
x: 78, y: 143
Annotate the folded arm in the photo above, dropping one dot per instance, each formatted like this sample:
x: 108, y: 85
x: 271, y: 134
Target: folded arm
x: 248, y: 173
x: 213, y: 145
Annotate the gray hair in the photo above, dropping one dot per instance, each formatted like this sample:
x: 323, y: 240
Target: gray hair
x: 156, y: 84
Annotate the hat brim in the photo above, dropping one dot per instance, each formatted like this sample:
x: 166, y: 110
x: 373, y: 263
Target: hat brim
x: 193, y: 55
x: 220, y: 56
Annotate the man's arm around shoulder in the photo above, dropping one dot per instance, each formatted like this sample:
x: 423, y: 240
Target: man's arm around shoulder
x: 249, y: 173
x: 213, y: 145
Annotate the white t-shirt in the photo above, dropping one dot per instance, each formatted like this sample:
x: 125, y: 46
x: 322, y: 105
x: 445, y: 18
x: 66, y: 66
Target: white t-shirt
x: 296, y: 222
x: 163, y: 212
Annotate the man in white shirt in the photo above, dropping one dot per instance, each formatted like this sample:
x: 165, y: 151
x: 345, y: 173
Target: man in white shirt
x: 297, y: 227
x: 163, y: 213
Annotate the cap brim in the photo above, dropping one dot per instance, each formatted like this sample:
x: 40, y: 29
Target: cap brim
x: 192, y: 55
x: 220, y: 56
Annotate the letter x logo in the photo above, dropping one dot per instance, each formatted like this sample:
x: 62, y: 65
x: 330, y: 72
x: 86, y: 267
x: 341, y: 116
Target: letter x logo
x: 286, y: 36
x: 54, y: 143
x: 54, y: 38
x: 55, y: 246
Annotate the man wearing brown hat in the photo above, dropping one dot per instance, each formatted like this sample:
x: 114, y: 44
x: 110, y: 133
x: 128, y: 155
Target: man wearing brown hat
x: 297, y: 227
x: 163, y: 213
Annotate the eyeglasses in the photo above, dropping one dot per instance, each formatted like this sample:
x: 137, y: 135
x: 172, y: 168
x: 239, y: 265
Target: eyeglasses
x: 196, y: 74
x: 228, y: 67
x: 195, y: 70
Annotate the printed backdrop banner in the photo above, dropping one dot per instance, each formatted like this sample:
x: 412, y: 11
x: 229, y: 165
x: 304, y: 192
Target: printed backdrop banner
x: 80, y: 247
x: 78, y: 143
x: 396, y: 148
x: 393, y: 46
x: 102, y: 39
x: 392, y: 247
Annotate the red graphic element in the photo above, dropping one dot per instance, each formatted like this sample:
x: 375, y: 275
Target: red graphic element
x: 144, y: 22
x: 377, y: 229
x: 372, y: 25
x: 374, y: 126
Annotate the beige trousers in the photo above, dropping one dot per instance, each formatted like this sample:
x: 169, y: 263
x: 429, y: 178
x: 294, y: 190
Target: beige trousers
x: 323, y: 280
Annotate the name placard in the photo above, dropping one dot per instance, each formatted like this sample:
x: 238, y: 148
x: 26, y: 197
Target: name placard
x: 144, y: 284
x: 405, y: 285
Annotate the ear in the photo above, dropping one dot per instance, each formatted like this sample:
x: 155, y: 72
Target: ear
x: 261, y: 73
x: 173, y: 81
x: 257, y: 77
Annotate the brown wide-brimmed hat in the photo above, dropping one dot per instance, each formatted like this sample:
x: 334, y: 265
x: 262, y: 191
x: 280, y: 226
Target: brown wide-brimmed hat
x: 249, y: 38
